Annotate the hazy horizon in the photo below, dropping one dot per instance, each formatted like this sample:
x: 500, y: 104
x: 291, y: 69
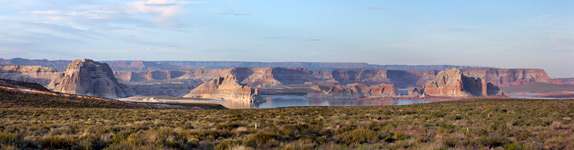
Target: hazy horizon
x: 504, y: 34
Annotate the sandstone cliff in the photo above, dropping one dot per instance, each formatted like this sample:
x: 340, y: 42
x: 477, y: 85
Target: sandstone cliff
x: 352, y: 91
x: 227, y: 87
x: 35, y: 74
x: 453, y: 83
x: 567, y: 81
x: 511, y: 77
x: 87, y: 77
x: 402, y: 76
x: 416, y: 92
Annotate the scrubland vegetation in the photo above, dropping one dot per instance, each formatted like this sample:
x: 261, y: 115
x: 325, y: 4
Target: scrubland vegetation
x: 9, y: 99
x: 466, y: 124
x: 15, y: 99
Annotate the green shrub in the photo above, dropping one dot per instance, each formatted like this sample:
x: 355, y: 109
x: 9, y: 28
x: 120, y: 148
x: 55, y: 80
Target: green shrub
x: 514, y: 146
x: 357, y: 136
x: 10, y: 139
x: 227, y: 145
x: 261, y: 139
x: 400, y: 135
x: 54, y: 142
x: 492, y: 141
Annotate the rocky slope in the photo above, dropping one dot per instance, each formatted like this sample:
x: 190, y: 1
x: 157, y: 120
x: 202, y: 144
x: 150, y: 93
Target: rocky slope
x: 453, y: 83
x: 87, y: 77
x: 226, y: 87
x: 353, y: 91
x: 35, y: 74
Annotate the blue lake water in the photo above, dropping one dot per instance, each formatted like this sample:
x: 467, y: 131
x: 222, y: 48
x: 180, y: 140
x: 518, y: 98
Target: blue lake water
x: 299, y: 101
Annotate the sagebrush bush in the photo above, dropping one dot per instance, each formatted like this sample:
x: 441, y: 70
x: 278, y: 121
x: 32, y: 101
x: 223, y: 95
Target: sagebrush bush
x: 357, y: 136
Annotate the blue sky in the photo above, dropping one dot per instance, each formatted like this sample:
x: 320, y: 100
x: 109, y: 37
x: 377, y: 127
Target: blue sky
x: 508, y: 34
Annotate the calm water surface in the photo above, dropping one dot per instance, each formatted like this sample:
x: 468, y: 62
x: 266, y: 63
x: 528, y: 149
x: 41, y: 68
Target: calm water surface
x: 297, y: 101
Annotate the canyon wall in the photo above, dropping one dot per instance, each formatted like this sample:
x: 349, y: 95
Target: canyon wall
x: 35, y: 74
x: 226, y: 87
x: 454, y: 83
x: 87, y: 77
x: 127, y: 65
x: 511, y: 77
x: 353, y: 91
x: 567, y: 81
x: 274, y: 76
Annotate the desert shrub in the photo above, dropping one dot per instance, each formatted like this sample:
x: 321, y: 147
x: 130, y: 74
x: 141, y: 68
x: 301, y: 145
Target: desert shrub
x: 10, y: 139
x: 227, y: 145
x: 514, y: 146
x: 446, y: 128
x: 357, y: 136
x: 400, y: 135
x: 262, y: 139
x: 451, y: 141
x: 492, y: 141
x: 228, y: 126
x: 54, y: 142
x: 174, y: 144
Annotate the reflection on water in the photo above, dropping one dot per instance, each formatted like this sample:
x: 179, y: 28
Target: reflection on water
x: 527, y: 96
x: 294, y: 101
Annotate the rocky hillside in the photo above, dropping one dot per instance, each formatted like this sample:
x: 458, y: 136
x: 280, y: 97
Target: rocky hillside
x: 226, y: 87
x: 36, y: 74
x: 273, y: 76
x: 186, y: 65
x: 511, y: 77
x: 353, y: 91
x: 453, y: 83
x: 87, y: 77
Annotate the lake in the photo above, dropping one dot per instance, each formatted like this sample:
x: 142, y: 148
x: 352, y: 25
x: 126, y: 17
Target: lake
x: 297, y: 101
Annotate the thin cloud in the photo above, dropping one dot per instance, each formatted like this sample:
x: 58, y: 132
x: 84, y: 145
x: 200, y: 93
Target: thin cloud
x: 166, y: 9
x: 374, y: 8
x: 233, y: 12
x: 62, y: 29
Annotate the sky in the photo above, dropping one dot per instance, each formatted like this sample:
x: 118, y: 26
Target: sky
x: 495, y: 33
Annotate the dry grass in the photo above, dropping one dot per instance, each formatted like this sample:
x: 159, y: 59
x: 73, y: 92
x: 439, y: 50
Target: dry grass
x: 472, y: 124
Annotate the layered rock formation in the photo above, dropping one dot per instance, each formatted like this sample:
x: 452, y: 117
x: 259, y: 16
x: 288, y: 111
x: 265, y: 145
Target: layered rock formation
x: 567, y: 81
x: 402, y: 76
x: 511, y: 77
x: 184, y: 65
x: 227, y: 87
x: 272, y: 76
x: 415, y: 92
x: 35, y: 74
x: 87, y: 77
x: 352, y: 91
x: 453, y: 83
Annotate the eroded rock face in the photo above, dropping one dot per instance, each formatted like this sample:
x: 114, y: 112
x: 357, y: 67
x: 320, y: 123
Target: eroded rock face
x: 352, y: 91
x: 87, y: 77
x: 416, y: 92
x: 227, y: 87
x: 34, y: 74
x: 452, y: 83
x: 511, y: 77
x: 382, y: 90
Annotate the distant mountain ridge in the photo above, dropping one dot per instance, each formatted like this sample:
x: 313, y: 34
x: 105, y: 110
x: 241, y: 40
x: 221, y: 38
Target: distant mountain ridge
x: 124, y: 65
